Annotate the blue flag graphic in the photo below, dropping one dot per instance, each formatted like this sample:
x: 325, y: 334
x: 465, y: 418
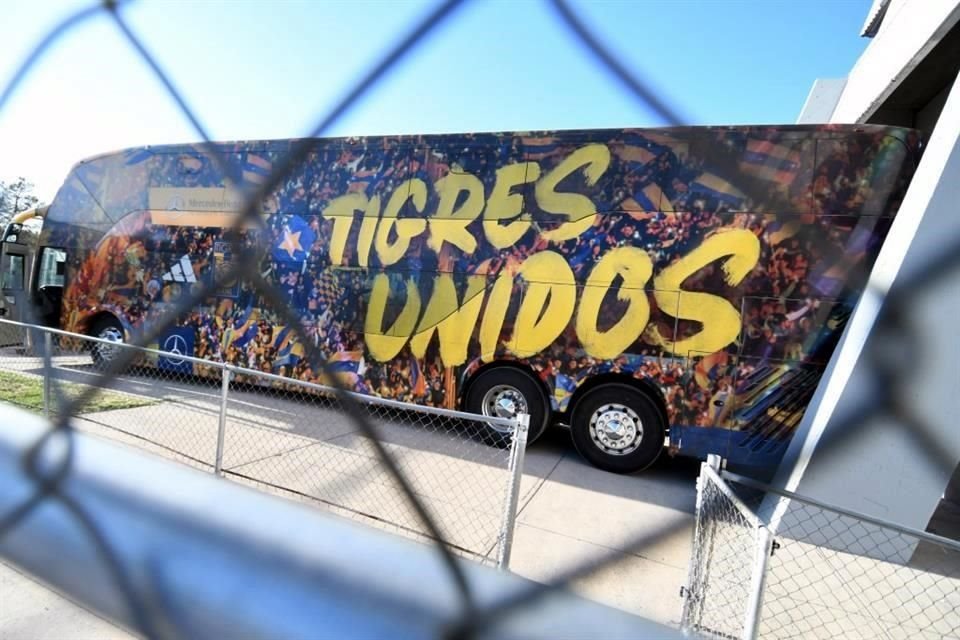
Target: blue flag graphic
x: 295, y: 241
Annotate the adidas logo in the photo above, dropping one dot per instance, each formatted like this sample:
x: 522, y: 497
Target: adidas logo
x: 180, y: 272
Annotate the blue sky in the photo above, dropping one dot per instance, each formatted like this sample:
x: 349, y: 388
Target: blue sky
x: 268, y: 69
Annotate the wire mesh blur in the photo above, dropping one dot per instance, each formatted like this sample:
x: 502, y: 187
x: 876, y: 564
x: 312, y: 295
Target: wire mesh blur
x: 51, y: 482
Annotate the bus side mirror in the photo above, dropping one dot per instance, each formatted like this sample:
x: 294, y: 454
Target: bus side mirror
x: 13, y: 231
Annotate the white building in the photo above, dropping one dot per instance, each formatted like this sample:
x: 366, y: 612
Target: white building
x: 896, y: 469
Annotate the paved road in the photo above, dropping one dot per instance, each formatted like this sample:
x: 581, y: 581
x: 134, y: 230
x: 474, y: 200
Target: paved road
x: 568, y: 510
x: 31, y: 611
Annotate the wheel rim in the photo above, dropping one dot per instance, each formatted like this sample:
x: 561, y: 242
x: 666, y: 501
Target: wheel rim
x: 503, y: 401
x: 110, y: 334
x: 616, y: 429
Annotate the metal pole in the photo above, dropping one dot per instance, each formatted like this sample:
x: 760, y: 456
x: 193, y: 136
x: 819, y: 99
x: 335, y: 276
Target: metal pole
x: 751, y: 621
x: 714, y: 461
x: 222, y: 427
x: 48, y: 355
x: 517, y: 451
x: 691, y: 590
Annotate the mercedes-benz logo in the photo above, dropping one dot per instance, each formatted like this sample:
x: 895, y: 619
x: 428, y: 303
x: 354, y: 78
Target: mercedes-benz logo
x: 175, y: 345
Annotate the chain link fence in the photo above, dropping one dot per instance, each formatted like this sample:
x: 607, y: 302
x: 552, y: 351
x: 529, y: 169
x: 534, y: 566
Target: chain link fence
x: 769, y: 563
x: 51, y: 484
x: 287, y: 436
x: 234, y: 425
x: 726, y: 536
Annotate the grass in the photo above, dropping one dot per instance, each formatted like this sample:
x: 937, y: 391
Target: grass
x: 27, y: 391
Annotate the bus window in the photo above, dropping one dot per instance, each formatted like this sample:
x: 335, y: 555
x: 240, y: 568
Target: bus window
x: 11, y: 272
x: 52, y: 264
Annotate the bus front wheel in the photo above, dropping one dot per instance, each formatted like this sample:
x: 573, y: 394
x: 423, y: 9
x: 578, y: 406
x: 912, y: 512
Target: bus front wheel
x: 107, y: 328
x: 505, y: 392
x: 617, y: 428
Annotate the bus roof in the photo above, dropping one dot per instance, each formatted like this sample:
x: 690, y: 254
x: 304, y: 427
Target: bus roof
x: 566, y: 134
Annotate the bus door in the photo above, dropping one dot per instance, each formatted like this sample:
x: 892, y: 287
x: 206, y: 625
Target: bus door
x: 13, y: 270
x: 13, y: 299
x: 48, y: 288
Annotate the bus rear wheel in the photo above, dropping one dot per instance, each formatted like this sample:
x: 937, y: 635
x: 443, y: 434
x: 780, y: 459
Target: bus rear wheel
x: 505, y: 392
x: 107, y: 328
x: 617, y: 428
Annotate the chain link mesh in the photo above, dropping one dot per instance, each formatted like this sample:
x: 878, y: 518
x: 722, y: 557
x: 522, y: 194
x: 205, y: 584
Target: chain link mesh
x: 295, y: 440
x: 283, y: 435
x: 833, y: 575
x: 721, y: 566
x: 828, y: 573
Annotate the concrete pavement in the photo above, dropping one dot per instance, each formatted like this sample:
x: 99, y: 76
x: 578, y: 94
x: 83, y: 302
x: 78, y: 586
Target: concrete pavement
x: 568, y: 511
x: 578, y: 512
x: 31, y: 611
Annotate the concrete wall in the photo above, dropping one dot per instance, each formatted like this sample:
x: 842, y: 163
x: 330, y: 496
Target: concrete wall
x: 926, y: 118
x: 910, y: 30
x: 892, y: 468
x: 822, y: 100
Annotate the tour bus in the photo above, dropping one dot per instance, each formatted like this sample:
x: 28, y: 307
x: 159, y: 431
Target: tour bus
x: 679, y: 287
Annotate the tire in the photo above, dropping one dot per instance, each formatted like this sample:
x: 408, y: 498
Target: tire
x: 107, y: 328
x: 634, y: 439
x: 509, y: 384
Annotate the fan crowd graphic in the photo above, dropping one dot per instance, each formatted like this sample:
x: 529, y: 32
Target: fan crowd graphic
x: 714, y: 263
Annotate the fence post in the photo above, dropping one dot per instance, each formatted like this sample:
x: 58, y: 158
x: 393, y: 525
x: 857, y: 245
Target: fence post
x: 714, y: 461
x: 222, y: 426
x: 518, y: 448
x: 48, y: 353
x: 690, y: 592
x: 751, y: 621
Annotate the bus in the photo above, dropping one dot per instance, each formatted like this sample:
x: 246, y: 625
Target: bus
x: 665, y: 288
